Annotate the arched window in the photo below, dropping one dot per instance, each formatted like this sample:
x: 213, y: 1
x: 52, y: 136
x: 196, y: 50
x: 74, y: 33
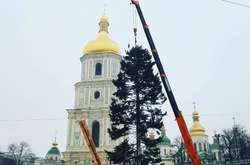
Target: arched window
x: 195, y: 146
x: 98, y: 69
x: 96, y: 133
x: 200, y: 147
x: 205, y: 148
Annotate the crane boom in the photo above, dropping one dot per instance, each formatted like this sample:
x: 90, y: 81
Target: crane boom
x: 89, y: 141
x: 178, y: 115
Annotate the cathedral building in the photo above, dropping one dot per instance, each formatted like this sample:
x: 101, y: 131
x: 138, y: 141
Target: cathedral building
x: 208, y: 152
x: 198, y: 134
x: 53, y: 156
x: 100, y: 64
x: 164, y: 146
x: 165, y: 149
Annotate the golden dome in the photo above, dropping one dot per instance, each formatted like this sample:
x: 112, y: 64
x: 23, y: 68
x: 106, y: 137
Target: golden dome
x: 102, y: 44
x: 197, y: 129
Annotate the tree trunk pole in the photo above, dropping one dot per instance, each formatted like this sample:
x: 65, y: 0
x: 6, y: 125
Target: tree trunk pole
x: 138, y: 140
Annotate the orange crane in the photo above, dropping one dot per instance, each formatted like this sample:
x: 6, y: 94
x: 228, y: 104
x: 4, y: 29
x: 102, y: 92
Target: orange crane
x: 95, y: 158
x: 178, y: 115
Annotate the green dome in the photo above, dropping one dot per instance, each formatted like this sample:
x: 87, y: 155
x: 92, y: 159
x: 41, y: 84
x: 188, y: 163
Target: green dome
x: 165, y: 140
x: 235, y: 142
x: 214, y: 146
x: 54, y: 151
x: 202, y: 155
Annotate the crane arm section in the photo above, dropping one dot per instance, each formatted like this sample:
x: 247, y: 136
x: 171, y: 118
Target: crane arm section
x: 178, y: 115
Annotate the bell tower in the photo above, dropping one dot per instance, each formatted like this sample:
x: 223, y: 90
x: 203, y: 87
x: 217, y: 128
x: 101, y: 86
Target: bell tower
x: 100, y: 64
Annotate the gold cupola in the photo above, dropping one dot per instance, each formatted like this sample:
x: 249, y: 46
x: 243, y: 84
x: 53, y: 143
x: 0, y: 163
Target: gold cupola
x: 197, y: 129
x: 102, y: 44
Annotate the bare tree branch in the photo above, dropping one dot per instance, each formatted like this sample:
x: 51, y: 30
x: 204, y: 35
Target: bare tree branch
x: 20, y: 152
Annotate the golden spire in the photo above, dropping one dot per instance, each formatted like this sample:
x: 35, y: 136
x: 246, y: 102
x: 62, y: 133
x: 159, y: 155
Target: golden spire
x: 196, y: 116
x: 197, y: 129
x: 104, y: 24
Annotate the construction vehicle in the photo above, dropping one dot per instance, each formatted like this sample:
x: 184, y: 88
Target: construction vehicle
x: 95, y: 158
x: 178, y: 115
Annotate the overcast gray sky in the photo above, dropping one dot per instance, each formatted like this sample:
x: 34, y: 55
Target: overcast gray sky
x: 203, y: 45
